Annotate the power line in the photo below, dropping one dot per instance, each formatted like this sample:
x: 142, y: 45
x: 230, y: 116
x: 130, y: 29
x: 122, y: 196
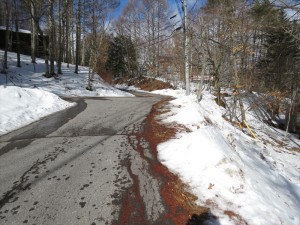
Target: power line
x: 179, y: 9
x: 154, y: 39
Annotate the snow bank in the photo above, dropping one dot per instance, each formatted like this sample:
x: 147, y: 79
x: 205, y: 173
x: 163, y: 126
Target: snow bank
x: 256, y: 179
x: 22, y: 106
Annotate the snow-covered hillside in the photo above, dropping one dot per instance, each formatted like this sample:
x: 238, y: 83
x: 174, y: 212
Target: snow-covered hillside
x: 26, y: 96
x: 242, y: 179
x: 69, y: 84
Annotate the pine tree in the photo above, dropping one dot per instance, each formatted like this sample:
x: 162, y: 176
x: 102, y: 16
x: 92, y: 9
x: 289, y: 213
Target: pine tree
x: 280, y: 47
x: 121, y: 57
x: 281, y: 51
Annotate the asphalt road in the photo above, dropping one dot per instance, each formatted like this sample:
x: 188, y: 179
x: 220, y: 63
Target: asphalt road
x: 82, y: 166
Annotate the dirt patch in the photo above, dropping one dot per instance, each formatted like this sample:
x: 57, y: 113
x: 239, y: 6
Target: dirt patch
x: 294, y: 149
x: 144, y: 83
x: 181, y: 205
x: 235, y: 217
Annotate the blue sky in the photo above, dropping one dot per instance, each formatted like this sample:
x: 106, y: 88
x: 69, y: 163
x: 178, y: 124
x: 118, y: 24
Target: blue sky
x: 172, y: 4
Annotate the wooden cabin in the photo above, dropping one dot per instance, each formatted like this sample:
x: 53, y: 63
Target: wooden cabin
x: 25, y: 42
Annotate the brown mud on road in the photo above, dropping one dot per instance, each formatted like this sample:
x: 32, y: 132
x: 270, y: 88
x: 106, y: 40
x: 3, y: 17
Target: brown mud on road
x: 179, y: 205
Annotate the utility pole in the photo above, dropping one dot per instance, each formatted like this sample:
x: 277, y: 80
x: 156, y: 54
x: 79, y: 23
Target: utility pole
x: 158, y: 18
x: 186, y: 50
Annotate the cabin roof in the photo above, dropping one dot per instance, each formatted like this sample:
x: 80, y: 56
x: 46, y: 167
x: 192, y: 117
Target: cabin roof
x: 14, y: 30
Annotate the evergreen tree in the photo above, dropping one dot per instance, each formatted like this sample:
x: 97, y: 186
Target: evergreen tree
x: 280, y: 47
x: 121, y: 57
x: 281, y: 53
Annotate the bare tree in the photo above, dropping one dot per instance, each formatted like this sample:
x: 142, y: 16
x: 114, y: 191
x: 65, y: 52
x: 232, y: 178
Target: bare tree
x: 7, y: 31
x: 146, y: 23
x: 16, y: 19
x: 33, y: 33
x: 186, y: 50
x: 78, y: 35
x: 61, y: 37
x: 66, y: 25
x: 51, y: 36
x: 37, y: 11
x: 98, y: 26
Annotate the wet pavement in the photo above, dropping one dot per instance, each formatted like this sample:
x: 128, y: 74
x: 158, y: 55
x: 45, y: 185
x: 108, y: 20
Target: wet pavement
x: 92, y: 164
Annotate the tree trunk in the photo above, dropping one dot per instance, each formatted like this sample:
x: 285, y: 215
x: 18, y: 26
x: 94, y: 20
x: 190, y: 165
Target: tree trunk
x: 77, y: 53
x: 158, y: 44
x: 33, y: 34
x: 288, y: 120
x: 238, y: 92
x: 5, y: 67
x: 18, y: 43
x: 67, y: 13
x: 60, y: 37
x: 51, y: 37
x: 36, y: 24
x: 200, y: 85
x: 45, y: 49
x: 186, y: 51
x: 83, y: 43
x: 17, y: 35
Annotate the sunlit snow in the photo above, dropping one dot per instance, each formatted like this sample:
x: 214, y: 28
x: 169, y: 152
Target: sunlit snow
x: 258, y: 180
x: 21, y: 106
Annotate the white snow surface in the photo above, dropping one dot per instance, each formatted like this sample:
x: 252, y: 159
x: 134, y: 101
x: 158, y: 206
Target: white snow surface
x: 21, y: 106
x: 230, y: 171
x: 20, y: 30
x: 26, y: 96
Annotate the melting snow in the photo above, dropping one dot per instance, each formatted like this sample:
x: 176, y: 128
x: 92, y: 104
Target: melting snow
x: 228, y: 170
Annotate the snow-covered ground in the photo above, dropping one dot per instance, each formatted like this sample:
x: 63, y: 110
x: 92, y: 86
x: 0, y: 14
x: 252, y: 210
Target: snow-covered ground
x: 27, y: 96
x: 242, y: 179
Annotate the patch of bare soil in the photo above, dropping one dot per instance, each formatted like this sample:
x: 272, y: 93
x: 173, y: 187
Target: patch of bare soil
x: 144, y: 83
x: 235, y: 217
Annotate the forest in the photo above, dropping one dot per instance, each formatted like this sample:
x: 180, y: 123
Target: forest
x: 247, y: 46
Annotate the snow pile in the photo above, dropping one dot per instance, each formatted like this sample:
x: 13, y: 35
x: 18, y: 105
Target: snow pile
x: 69, y: 84
x: 243, y: 180
x: 21, y: 106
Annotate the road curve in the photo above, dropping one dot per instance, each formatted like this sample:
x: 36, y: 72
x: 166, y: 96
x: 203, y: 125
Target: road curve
x: 87, y: 165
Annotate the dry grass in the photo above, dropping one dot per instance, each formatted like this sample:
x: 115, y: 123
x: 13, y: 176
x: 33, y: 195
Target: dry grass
x: 294, y: 149
x: 144, y: 83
